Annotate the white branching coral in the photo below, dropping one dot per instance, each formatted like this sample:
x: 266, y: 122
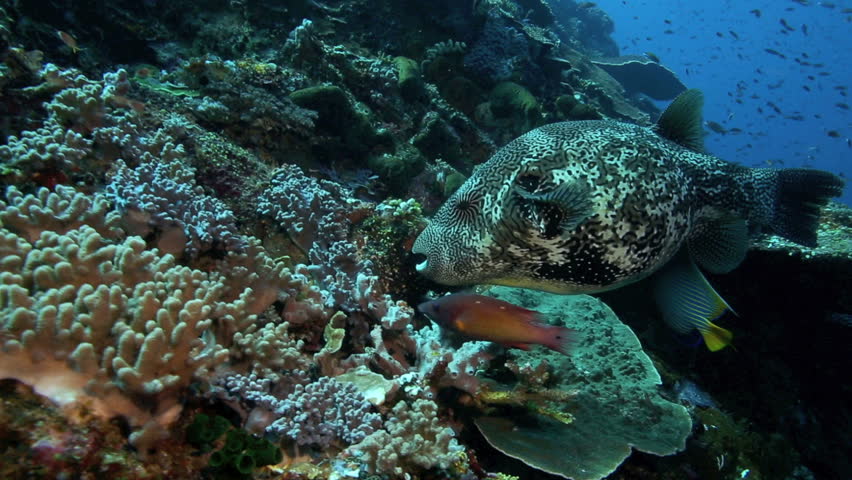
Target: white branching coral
x: 59, y: 211
x: 88, y: 317
x: 413, y: 436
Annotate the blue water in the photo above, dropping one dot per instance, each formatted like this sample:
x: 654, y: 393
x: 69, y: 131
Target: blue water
x: 718, y: 64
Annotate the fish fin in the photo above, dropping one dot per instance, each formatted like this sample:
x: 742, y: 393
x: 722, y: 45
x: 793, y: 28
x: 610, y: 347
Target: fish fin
x: 716, y: 337
x: 520, y: 346
x: 460, y: 323
x: 561, y: 339
x: 681, y: 121
x: 801, y: 193
x: 560, y: 209
x: 721, y: 245
x: 689, y: 302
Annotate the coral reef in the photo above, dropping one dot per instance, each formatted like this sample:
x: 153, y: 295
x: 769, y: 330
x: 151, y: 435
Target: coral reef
x: 87, y: 316
x: 163, y: 197
x: 205, y: 231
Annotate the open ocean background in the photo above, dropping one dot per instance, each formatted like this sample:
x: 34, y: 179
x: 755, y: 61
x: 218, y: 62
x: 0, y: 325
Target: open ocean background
x: 726, y: 68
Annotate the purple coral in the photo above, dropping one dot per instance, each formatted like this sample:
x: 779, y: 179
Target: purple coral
x: 321, y: 413
x: 316, y: 215
x: 157, y: 196
x: 311, y: 210
x: 325, y: 412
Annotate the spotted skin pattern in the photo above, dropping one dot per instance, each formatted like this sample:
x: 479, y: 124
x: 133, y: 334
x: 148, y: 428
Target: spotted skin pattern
x: 642, y: 196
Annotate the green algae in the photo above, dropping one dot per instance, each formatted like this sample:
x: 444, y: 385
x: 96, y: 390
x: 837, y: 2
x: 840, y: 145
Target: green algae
x: 239, y: 455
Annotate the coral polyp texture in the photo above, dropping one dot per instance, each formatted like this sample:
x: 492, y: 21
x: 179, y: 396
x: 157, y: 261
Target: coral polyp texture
x: 89, y: 316
x: 207, y: 212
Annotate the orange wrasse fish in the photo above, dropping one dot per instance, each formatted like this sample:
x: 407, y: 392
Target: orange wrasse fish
x: 486, y: 318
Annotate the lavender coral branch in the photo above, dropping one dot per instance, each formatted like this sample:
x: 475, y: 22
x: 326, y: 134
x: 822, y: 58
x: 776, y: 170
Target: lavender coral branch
x: 323, y: 413
x: 164, y: 197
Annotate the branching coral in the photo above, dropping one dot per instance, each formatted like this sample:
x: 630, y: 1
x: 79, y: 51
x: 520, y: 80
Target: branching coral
x: 322, y: 413
x: 310, y: 210
x: 163, y: 196
x: 89, y: 124
x: 412, y: 438
x: 85, y: 316
x: 59, y: 211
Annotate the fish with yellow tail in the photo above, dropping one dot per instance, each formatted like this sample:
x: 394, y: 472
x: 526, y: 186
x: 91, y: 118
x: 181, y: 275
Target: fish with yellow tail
x: 69, y: 41
x: 591, y: 206
x: 485, y: 318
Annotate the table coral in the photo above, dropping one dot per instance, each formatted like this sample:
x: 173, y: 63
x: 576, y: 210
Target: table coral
x: 615, y: 402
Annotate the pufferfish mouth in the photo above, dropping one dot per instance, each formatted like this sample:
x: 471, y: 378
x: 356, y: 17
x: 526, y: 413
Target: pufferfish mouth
x: 423, y: 262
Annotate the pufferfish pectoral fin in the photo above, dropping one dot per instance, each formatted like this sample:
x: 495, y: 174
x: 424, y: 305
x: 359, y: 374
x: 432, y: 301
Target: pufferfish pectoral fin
x: 688, y: 301
x: 560, y: 209
x: 721, y: 245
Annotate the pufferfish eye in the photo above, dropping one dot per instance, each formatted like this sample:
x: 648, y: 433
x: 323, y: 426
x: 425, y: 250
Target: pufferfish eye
x: 467, y: 205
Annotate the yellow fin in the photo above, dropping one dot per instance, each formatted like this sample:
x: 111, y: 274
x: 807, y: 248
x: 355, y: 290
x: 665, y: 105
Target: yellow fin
x: 716, y: 337
x: 689, y: 302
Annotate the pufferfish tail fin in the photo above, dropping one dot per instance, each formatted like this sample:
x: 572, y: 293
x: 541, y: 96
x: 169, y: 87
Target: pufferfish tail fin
x: 689, y: 302
x: 801, y: 193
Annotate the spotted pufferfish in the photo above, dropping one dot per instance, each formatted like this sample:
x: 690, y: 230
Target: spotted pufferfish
x: 590, y: 206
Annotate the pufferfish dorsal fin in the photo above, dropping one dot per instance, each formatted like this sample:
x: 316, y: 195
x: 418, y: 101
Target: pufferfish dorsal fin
x: 557, y: 210
x: 721, y: 245
x: 681, y: 122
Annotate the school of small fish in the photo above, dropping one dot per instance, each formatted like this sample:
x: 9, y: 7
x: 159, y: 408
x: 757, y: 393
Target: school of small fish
x: 815, y: 76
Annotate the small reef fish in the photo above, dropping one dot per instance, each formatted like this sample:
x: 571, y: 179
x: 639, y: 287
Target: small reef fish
x: 68, y: 40
x: 487, y: 318
x: 716, y: 127
x: 591, y: 206
x: 774, y: 52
